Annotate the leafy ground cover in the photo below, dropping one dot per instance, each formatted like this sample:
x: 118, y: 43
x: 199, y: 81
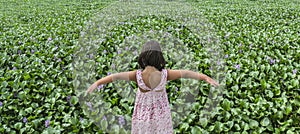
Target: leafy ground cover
x: 260, y: 40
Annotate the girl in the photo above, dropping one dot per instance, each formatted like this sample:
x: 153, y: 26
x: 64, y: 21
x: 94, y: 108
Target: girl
x: 152, y: 113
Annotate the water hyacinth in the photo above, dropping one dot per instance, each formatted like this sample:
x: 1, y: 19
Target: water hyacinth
x: 167, y: 34
x: 176, y: 89
x: 226, y: 56
x: 104, y: 118
x: 126, y: 48
x: 294, y: 71
x: 91, y: 56
x: 113, y: 66
x: 1, y: 104
x: 272, y: 61
x: 119, y: 51
x: 19, y: 52
x: 89, y: 104
x: 25, y: 120
x: 238, y: 66
x: 240, y: 44
x: 80, y: 118
x: 208, y: 40
x: 227, y: 35
x: 32, y: 51
x: 100, y: 87
x: 135, y: 52
x: 47, y: 123
x: 49, y: 39
x: 68, y: 98
x: 14, y: 68
x: 108, y: 73
x: 121, y: 120
x: 104, y: 51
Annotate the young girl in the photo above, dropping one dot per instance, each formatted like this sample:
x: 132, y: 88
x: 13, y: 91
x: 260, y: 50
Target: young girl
x: 152, y: 113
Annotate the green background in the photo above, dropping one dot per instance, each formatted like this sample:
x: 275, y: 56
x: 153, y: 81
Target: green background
x: 38, y: 38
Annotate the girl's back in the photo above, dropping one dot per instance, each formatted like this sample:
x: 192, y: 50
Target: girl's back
x: 151, y: 77
x: 152, y: 113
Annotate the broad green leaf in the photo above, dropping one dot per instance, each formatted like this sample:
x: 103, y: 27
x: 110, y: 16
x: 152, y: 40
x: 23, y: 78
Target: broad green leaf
x: 218, y: 127
x: 263, y: 83
x: 184, y: 126
x: 18, y: 125
x: 196, y: 130
x: 230, y: 124
x: 4, y: 84
x: 289, y: 109
x: 226, y: 105
x: 237, y: 127
x: 74, y: 100
x: 265, y: 122
x: 28, y: 110
x: 203, y: 122
x: 253, y: 124
x: 290, y: 132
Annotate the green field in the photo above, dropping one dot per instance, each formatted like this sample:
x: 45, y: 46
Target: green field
x: 260, y: 40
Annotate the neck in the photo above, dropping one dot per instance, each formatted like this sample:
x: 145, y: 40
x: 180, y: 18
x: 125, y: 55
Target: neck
x: 150, y: 68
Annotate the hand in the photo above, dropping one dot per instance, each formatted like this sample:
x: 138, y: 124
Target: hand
x: 212, y: 82
x: 91, y: 88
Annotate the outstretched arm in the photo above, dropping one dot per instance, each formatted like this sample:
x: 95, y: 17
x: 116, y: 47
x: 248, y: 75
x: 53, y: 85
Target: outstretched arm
x: 176, y: 74
x: 113, y: 77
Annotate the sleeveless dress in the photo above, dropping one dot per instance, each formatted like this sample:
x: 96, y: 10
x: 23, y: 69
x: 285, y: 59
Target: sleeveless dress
x: 152, y: 113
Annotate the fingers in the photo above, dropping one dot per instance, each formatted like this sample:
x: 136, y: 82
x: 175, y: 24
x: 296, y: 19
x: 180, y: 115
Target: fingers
x: 214, y: 83
x: 90, y: 89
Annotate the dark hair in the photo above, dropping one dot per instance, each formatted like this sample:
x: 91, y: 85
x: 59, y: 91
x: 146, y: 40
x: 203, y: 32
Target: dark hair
x: 151, y: 57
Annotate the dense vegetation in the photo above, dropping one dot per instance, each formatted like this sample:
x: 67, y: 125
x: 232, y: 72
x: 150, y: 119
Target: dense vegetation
x: 260, y: 40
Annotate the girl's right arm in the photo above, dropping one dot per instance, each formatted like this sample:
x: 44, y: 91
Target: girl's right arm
x: 177, y: 74
x: 130, y: 75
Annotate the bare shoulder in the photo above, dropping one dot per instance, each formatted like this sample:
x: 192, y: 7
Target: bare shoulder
x: 129, y: 75
x: 132, y: 75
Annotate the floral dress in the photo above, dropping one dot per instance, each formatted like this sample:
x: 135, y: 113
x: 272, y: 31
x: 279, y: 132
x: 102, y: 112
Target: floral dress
x: 152, y: 113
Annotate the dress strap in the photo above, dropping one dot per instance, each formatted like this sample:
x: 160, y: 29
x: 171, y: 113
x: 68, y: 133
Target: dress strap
x: 140, y: 81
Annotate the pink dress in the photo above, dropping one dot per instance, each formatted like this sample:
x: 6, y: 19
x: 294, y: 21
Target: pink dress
x: 152, y: 113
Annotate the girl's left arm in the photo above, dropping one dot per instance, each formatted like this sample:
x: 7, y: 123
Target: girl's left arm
x: 131, y: 75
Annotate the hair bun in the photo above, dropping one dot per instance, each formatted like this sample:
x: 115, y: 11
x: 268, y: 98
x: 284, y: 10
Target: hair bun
x: 151, y: 45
